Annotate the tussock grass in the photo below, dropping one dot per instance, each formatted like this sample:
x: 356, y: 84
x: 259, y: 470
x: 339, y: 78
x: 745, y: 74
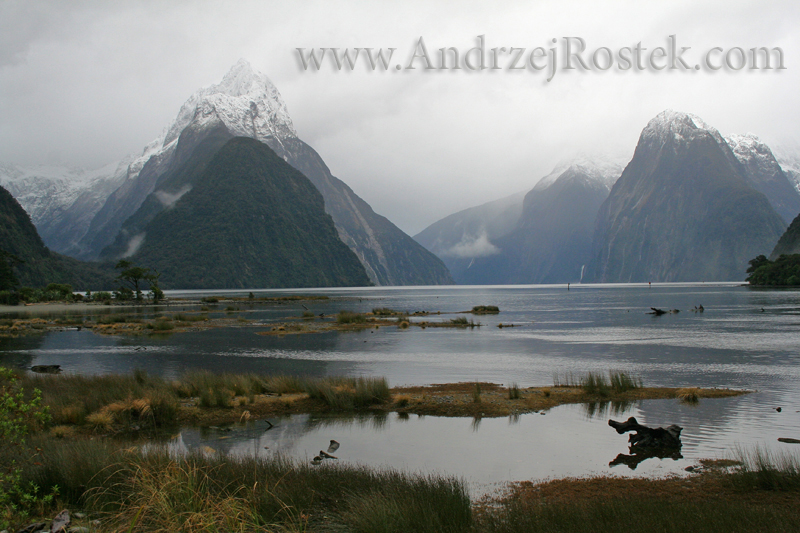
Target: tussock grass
x: 596, y: 384
x: 766, y: 470
x: 349, y: 393
x: 349, y: 317
x: 514, y: 392
x: 689, y: 395
x: 157, y: 491
x: 476, y: 393
x: 485, y: 310
x: 385, y: 311
x: 462, y: 322
x: 72, y: 399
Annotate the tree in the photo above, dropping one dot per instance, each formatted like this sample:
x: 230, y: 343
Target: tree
x: 134, y: 275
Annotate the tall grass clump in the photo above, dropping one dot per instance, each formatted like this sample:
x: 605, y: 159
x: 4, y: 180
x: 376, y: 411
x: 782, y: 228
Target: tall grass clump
x: 513, y: 392
x: 348, y: 317
x: 690, y: 395
x: 622, y: 382
x: 136, y: 490
x: 597, y: 384
x: 349, y: 393
x: 72, y: 398
x: 476, y: 393
x: 385, y: 311
x: 766, y: 470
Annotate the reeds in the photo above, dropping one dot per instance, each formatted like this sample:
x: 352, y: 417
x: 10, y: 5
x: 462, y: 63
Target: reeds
x: 597, y: 384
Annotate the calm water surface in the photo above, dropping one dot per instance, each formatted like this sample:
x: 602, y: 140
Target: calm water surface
x: 745, y: 338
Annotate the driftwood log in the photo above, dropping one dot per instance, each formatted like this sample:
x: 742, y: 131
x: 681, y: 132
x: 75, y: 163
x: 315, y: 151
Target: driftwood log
x: 46, y: 369
x: 645, y: 437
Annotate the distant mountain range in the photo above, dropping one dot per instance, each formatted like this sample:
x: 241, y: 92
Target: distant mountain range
x: 689, y: 206
x: 101, y: 214
x: 39, y: 266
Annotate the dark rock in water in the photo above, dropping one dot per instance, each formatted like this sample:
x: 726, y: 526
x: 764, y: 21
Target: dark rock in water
x: 46, y: 369
x: 657, y: 312
x: 788, y: 440
x: 778, y: 409
x: 646, y: 437
x: 60, y: 522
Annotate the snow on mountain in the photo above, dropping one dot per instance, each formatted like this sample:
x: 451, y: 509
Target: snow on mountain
x: 62, y: 201
x: 246, y: 101
x: 677, y: 126
x: 788, y: 157
x: 764, y: 173
x: 599, y: 168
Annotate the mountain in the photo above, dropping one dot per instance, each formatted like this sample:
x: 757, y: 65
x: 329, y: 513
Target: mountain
x: 789, y: 243
x: 461, y: 237
x: 543, y: 236
x: 246, y: 104
x: 40, y: 266
x: 682, y: 210
x: 763, y: 172
x: 249, y: 220
x: 62, y: 201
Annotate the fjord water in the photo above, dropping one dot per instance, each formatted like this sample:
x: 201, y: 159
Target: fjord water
x: 745, y: 338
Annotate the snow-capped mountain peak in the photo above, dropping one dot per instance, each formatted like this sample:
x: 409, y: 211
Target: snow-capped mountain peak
x: 598, y: 168
x: 749, y: 148
x: 245, y: 101
x: 677, y: 126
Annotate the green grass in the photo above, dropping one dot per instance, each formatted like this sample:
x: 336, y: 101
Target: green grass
x: 513, y: 392
x: 349, y: 317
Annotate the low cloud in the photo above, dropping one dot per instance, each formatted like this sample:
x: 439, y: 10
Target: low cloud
x: 134, y: 244
x: 168, y: 199
x: 473, y: 246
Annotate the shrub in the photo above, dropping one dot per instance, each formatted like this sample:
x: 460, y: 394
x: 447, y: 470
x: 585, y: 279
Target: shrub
x: 102, y: 296
x: 20, y: 415
x: 9, y: 298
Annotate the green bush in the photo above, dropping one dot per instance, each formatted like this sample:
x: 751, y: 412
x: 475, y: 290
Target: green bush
x: 20, y: 414
x: 9, y: 298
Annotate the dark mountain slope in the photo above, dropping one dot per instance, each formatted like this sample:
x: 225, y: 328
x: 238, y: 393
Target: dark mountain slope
x: 250, y: 220
x: 681, y: 211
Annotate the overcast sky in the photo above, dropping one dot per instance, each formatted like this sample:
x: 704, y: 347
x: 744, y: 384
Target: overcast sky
x: 86, y: 83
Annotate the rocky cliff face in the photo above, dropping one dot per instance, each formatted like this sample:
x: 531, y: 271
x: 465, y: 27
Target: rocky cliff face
x: 682, y: 210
